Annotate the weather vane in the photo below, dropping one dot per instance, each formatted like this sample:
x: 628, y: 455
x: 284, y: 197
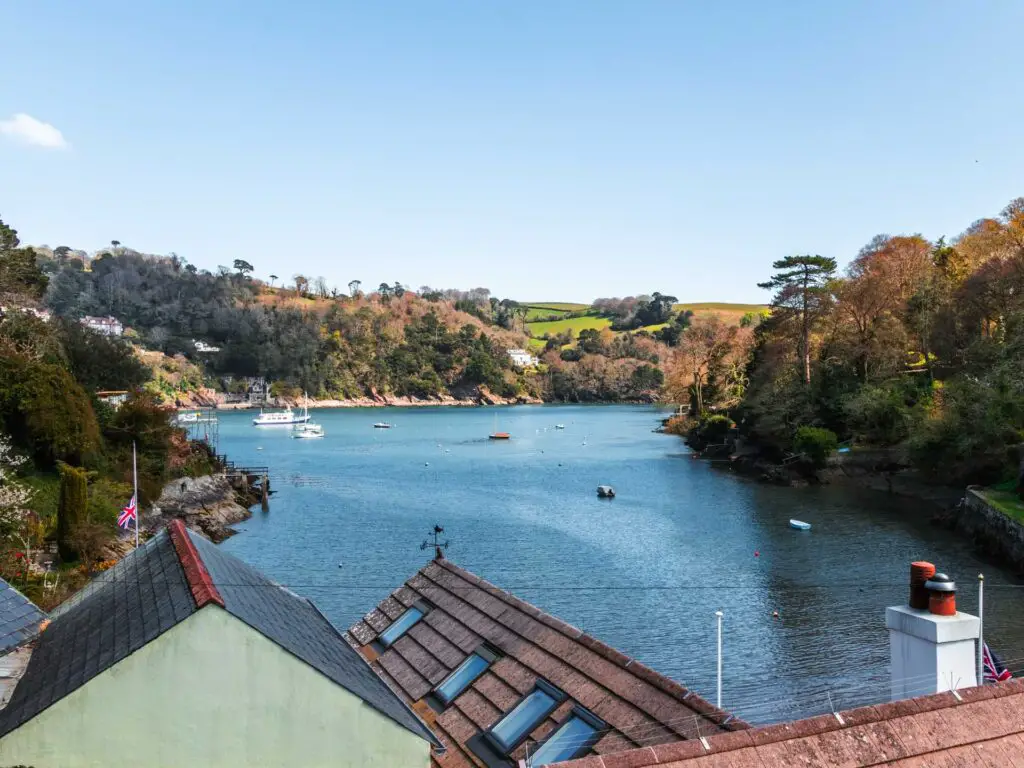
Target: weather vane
x: 438, y: 545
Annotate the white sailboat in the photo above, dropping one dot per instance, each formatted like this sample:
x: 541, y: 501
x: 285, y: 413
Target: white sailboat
x: 307, y: 429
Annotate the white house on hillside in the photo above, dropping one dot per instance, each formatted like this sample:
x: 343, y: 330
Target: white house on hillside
x: 108, y: 326
x: 522, y: 358
x: 202, y: 346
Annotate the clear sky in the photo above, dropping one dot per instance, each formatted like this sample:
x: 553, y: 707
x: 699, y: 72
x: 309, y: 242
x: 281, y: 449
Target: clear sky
x: 546, y: 149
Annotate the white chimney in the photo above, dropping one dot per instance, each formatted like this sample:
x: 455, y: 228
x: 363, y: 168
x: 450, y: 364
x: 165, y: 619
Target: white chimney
x: 931, y: 644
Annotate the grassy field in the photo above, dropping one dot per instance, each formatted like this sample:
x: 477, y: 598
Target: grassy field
x: 574, y: 324
x: 730, y: 313
x: 533, y: 314
x: 557, y: 305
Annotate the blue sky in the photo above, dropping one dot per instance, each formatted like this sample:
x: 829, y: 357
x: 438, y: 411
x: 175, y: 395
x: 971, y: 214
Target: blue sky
x: 546, y: 149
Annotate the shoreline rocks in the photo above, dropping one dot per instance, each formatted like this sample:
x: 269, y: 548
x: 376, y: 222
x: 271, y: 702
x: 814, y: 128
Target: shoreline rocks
x: 474, y: 396
x: 209, y: 505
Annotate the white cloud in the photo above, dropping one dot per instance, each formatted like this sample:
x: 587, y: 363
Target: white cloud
x: 27, y: 130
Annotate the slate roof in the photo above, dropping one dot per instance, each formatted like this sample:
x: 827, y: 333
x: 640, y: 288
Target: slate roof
x: 982, y: 729
x: 160, y: 585
x: 639, y: 706
x: 19, y: 618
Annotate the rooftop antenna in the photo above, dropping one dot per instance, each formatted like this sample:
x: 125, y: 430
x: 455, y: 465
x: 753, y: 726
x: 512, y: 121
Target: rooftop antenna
x: 438, y: 545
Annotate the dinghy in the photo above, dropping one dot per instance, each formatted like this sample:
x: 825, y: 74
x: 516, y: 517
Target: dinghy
x: 800, y: 525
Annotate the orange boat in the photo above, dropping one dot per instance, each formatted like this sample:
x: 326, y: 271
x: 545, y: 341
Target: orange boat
x: 496, y: 435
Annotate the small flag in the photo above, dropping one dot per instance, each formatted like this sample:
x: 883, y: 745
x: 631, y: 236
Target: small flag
x: 128, y: 514
x: 995, y: 670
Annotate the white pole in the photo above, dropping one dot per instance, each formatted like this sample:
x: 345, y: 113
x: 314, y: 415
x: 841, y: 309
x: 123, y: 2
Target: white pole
x: 718, y: 701
x: 981, y: 628
x: 135, y: 483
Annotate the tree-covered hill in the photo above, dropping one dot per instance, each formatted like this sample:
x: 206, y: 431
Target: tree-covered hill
x: 391, y: 341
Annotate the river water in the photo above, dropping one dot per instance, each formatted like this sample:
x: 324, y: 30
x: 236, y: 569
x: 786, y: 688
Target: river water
x: 644, y: 572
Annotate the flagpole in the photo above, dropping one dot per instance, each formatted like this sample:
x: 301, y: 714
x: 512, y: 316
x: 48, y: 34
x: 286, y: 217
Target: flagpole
x: 135, y: 484
x: 981, y: 628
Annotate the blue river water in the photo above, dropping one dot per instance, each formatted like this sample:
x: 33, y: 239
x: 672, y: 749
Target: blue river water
x: 644, y: 572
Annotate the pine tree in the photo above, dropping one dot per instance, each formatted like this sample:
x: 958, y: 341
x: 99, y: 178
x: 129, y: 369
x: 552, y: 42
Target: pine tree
x: 801, y: 287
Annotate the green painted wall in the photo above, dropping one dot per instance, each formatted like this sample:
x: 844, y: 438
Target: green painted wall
x: 212, y: 692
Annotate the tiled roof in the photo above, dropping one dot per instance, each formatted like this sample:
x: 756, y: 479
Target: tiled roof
x: 984, y: 728
x: 638, y: 705
x: 19, y: 618
x: 163, y: 583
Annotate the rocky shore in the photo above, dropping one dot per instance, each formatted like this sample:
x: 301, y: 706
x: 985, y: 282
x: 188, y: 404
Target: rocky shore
x: 474, y: 396
x: 209, y: 505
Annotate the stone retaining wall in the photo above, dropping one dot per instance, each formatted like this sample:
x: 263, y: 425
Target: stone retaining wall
x: 999, y: 536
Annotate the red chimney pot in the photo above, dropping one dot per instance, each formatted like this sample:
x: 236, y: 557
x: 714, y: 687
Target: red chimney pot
x: 920, y: 572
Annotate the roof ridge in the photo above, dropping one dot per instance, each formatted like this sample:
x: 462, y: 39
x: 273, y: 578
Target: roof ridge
x: 665, y: 684
x: 818, y: 725
x: 203, y: 589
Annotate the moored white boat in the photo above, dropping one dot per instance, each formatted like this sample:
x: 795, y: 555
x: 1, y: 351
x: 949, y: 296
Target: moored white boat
x: 307, y: 430
x: 382, y: 425
x: 800, y: 525
x: 194, y: 417
x: 281, y: 418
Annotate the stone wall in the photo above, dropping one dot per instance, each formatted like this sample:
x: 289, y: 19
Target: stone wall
x: 999, y: 536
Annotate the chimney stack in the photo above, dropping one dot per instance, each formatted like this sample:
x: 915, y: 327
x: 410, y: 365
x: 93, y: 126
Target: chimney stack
x: 931, y: 644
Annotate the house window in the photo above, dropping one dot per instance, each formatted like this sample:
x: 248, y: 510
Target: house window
x: 401, y: 625
x: 463, y: 676
x: 572, y: 739
x: 526, y: 715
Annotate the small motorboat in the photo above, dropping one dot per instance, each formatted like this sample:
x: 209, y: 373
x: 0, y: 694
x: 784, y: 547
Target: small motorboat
x: 382, y: 425
x: 800, y: 525
x: 559, y: 426
x: 307, y: 430
x: 499, y: 436
x: 605, y: 492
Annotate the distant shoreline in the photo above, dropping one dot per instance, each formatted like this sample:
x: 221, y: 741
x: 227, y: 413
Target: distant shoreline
x: 367, y: 402
x: 393, y: 403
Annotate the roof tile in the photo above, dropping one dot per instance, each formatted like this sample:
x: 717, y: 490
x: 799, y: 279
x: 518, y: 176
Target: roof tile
x: 420, y: 659
x: 497, y: 691
x: 478, y: 709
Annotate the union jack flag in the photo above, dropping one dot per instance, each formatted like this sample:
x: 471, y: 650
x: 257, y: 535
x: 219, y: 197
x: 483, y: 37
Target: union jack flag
x: 129, y: 513
x: 995, y: 670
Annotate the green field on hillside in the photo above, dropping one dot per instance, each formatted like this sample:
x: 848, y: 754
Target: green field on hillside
x: 730, y: 313
x: 574, y: 324
x: 533, y: 314
x: 562, y: 305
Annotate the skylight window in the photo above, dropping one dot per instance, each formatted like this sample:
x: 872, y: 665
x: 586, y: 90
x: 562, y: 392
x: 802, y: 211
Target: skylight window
x: 573, y: 737
x: 400, y: 626
x: 526, y: 715
x: 464, y: 675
